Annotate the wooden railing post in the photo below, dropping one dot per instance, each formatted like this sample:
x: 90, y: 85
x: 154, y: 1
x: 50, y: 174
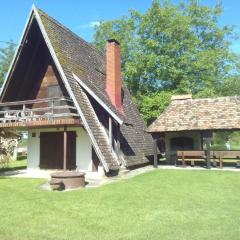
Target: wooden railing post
x: 52, y: 108
x: 24, y: 112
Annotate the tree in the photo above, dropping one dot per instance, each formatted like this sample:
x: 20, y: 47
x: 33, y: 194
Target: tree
x: 180, y: 48
x: 151, y: 106
x: 6, y: 55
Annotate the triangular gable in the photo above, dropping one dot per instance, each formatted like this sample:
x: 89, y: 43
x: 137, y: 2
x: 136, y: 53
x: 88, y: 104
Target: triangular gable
x: 17, y: 53
x: 96, y: 134
x: 34, y: 71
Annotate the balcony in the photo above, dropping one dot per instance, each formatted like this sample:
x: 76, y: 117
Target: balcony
x: 39, y: 112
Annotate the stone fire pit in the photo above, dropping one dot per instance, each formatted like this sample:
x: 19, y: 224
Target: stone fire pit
x: 67, y: 180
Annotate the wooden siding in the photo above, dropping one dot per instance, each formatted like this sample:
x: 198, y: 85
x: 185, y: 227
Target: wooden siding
x: 49, y: 79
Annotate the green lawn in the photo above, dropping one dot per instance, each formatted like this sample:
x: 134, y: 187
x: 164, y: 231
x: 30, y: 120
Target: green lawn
x: 163, y: 204
x: 21, y: 163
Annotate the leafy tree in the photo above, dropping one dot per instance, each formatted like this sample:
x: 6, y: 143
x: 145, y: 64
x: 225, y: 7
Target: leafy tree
x: 231, y: 87
x: 180, y: 48
x: 6, y: 55
x: 151, y: 106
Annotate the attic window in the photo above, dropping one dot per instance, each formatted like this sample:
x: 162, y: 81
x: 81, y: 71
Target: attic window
x: 54, y: 91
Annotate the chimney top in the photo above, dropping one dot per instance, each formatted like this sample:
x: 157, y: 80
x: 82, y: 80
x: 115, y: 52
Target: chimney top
x: 113, y: 40
x: 181, y: 97
x: 113, y: 73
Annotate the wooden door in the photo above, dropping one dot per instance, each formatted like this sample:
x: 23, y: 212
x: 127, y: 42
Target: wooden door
x: 51, y: 150
x: 71, y: 150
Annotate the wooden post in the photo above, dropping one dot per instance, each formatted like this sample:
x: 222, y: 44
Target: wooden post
x: 220, y: 161
x: 52, y: 110
x: 65, y: 149
x: 155, y: 160
x: 208, y: 137
x: 183, y: 160
x: 110, y: 131
x: 23, y: 115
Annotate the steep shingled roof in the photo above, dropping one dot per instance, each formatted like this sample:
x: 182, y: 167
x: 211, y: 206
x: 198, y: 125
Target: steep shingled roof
x: 199, y: 114
x: 78, y: 57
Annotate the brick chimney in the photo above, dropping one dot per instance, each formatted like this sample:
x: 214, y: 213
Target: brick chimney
x: 113, y: 73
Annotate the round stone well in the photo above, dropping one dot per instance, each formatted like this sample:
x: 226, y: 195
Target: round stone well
x: 67, y: 180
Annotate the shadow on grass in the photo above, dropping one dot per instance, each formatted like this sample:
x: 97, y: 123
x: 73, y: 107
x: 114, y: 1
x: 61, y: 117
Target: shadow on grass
x: 20, y: 158
x: 6, y: 169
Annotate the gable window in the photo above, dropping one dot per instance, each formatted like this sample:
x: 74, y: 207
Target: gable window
x: 54, y: 91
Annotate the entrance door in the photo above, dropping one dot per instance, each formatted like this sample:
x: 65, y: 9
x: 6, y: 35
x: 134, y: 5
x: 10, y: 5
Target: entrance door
x: 71, y: 150
x: 51, y: 150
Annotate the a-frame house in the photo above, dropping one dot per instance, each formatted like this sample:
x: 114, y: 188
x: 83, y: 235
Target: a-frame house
x: 71, y: 99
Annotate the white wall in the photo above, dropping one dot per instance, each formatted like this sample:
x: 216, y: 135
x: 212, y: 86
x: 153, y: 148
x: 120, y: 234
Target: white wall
x: 83, y: 147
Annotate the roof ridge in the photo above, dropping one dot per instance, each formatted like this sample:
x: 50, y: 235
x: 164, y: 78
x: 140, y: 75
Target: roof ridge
x: 70, y: 31
x: 217, y: 98
x: 206, y: 99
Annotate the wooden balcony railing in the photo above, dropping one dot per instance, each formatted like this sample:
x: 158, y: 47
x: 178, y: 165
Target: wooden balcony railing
x: 37, y: 110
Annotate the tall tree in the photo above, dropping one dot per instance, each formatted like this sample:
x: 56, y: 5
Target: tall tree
x: 6, y: 55
x: 173, y: 47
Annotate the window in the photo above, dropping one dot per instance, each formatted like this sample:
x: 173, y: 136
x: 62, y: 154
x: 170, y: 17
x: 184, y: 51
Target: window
x: 54, y: 91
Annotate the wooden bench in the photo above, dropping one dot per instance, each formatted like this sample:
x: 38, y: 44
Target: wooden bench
x: 230, y: 156
x: 191, y: 156
x: 217, y: 157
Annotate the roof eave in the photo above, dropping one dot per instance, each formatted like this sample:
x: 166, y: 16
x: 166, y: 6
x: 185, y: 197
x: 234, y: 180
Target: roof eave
x: 18, y: 51
x: 83, y: 85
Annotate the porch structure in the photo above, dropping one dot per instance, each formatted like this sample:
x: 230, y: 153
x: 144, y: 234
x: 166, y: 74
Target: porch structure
x: 187, y: 126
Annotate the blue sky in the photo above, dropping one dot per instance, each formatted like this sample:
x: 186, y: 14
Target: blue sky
x: 81, y: 15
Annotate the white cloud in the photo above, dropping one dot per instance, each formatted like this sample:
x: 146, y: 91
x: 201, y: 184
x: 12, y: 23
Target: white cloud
x: 94, y: 24
x: 91, y: 24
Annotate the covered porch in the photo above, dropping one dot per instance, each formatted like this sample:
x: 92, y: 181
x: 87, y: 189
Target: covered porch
x: 185, y: 130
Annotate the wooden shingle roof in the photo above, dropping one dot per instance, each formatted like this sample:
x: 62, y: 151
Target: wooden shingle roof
x: 77, y: 57
x: 221, y: 113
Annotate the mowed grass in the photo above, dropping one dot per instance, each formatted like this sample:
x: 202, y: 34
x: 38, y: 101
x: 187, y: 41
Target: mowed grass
x: 20, y: 163
x: 162, y: 204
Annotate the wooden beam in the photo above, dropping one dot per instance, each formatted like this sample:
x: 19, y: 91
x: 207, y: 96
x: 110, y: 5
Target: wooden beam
x: 155, y: 159
x: 65, y: 149
x: 208, y: 137
x: 110, y: 130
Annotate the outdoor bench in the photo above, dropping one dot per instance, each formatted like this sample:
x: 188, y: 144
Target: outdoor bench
x: 191, y: 157
x: 217, y: 157
x: 227, y: 157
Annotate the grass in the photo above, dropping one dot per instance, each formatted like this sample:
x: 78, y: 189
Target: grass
x: 20, y: 163
x: 223, y: 147
x: 163, y: 204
